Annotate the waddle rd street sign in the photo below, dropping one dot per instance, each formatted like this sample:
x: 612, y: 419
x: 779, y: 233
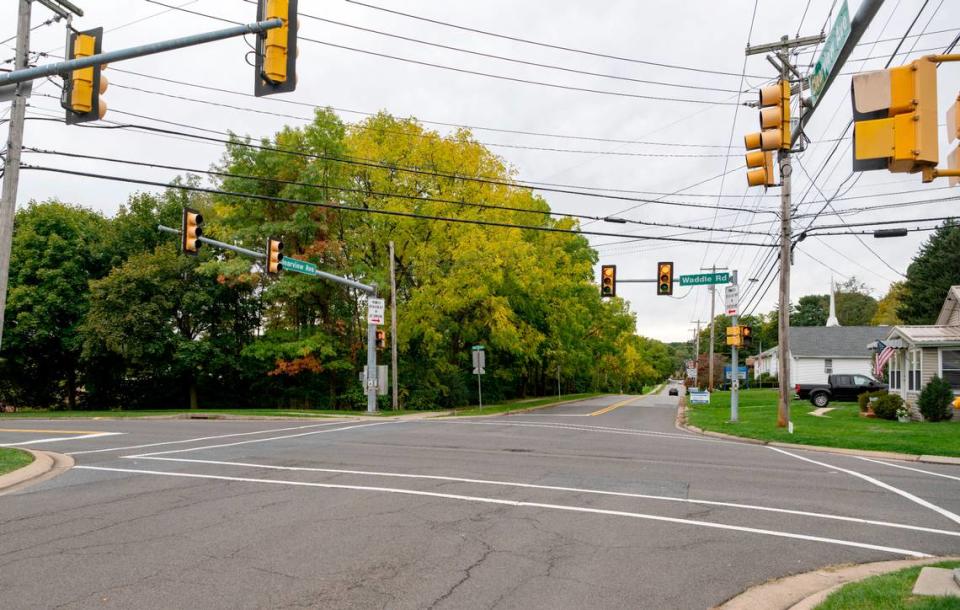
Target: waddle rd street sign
x: 705, y: 279
x: 831, y: 50
x: 298, y: 266
x: 375, y: 310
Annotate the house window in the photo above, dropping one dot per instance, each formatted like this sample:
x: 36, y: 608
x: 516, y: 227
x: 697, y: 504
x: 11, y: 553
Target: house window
x: 828, y: 366
x: 894, y: 369
x: 913, y: 370
x: 950, y: 366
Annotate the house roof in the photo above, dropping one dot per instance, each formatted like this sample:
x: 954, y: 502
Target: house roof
x: 949, y: 305
x: 928, y: 335
x: 834, y: 341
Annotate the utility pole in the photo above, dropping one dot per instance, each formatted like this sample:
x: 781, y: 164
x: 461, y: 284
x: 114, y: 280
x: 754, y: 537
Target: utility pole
x: 393, y: 326
x: 735, y: 363
x: 713, y: 305
x: 696, y: 355
x: 11, y: 162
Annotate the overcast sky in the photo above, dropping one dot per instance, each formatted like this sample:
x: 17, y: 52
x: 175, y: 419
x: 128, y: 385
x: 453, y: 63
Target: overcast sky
x: 703, y: 34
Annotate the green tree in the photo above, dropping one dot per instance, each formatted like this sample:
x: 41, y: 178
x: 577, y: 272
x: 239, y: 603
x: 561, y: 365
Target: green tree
x: 886, y: 314
x: 811, y: 310
x: 855, y: 306
x: 931, y: 274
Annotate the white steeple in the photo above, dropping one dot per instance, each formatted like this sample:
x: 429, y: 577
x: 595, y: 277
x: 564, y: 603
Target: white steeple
x: 832, y: 320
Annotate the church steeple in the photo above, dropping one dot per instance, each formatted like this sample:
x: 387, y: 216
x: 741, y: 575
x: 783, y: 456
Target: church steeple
x: 832, y: 320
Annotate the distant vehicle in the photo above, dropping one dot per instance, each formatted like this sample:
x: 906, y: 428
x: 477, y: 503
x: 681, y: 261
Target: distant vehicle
x: 673, y: 392
x: 838, y: 387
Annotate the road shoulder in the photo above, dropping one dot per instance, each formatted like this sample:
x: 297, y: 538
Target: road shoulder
x: 45, y: 465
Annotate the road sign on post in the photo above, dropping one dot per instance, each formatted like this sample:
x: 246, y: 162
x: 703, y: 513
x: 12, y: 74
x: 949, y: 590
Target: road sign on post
x: 831, y: 51
x: 705, y: 279
x: 479, y: 357
x: 732, y: 299
x: 376, y: 308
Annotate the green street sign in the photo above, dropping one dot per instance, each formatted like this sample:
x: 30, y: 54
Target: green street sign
x: 831, y: 50
x: 477, y: 348
x: 705, y: 279
x: 298, y: 266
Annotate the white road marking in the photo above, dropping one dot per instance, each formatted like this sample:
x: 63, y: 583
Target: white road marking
x: 933, y: 474
x: 57, y: 439
x: 204, y: 438
x: 949, y: 515
x: 261, y: 440
x: 585, y: 428
x: 519, y: 504
x: 559, y: 488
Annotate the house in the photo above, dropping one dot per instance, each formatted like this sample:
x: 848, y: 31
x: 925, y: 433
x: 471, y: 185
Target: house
x: 819, y: 351
x: 924, y: 351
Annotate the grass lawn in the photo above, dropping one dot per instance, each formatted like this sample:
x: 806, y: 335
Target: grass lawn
x: 11, y: 459
x: 842, y: 427
x: 889, y: 592
x: 521, y: 405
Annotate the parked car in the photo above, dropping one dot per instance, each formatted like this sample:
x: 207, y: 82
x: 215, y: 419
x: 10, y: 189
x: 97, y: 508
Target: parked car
x: 838, y: 387
x: 674, y: 391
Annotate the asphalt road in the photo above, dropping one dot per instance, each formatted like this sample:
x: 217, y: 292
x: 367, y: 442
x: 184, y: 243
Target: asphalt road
x: 597, y: 504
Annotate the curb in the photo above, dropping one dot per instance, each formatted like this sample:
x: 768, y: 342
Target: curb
x: 45, y: 465
x: 522, y: 411
x: 806, y: 591
x: 889, y: 455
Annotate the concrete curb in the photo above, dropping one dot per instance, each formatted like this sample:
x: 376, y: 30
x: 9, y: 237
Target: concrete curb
x: 806, y: 591
x: 682, y: 424
x: 45, y: 465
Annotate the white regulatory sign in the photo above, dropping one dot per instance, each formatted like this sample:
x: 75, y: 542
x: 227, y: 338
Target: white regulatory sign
x: 375, y: 311
x: 733, y: 299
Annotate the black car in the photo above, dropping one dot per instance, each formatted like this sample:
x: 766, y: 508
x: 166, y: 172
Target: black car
x: 673, y: 392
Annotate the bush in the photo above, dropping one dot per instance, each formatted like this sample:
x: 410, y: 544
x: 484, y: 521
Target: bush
x: 935, y: 399
x: 767, y: 380
x: 864, y: 399
x: 886, y: 406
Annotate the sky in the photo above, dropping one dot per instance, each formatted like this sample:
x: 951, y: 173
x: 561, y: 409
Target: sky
x: 671, y: 143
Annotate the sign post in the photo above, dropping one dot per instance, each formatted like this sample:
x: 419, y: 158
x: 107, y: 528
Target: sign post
x: 733, y: 309
x: 479, y: 368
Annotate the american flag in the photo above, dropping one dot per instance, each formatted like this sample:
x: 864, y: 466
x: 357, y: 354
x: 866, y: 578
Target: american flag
x: 882, y: 358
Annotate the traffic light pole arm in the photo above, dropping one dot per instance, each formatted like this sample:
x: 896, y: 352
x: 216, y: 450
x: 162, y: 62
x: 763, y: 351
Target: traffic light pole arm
x: 371, y: 290
x: 653, y: 281
x: 19, y: 76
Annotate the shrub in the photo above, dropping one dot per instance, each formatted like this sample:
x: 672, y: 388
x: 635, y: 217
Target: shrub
x: 864, y: 399
x: 767, y: 380
x: 886, y: 406
x: 935, y: 399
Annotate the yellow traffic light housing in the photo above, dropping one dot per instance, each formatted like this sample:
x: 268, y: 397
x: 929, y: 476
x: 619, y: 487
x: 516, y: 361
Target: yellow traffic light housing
x: 274, y: 256
x: 665, y: 278
x: 895, y: 114
x: 774, y: 119
x: 276, y: 51
x: 82, y: 88
x: 191, y: 230
x: 761, y: 174
x: 608, y: 281
x: 953, y: 133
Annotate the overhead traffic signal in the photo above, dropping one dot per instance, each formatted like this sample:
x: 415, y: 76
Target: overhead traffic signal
x: 895, y: 118
x: 774, y: 133
x: 82, y: 88
x: 274, y: 255
x: 381, y: 339
x: 665, y: 278
x: 761, y: 174
x: 276, y: 50
x: 191, y: 228
x: 608, y: 281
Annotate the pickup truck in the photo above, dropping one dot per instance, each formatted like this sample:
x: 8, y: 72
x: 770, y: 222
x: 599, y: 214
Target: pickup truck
x: 838, y: 387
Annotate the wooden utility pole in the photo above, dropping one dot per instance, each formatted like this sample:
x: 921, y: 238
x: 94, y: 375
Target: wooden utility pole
x: 393, y: 328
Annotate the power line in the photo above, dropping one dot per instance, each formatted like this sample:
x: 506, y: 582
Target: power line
x: 334, y: 206
x: 545, y: 44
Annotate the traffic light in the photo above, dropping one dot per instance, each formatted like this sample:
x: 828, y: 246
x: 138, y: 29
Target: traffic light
x: 895, y: 118
x: 82, y: 88
x: 191, y: 228
x: 608, y: 281
x: 274, y: 255
x: 734, y: 338
x: 762, y: 173
x: 746, y: 336
x: 665, y: 278
x: 774, y: 133
x: 381, y: 339
x: 276, y: 51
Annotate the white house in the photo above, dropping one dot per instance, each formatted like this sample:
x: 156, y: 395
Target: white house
x: 819, y: 351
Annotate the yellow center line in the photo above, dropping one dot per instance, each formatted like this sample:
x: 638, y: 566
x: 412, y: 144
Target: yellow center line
x: 44, y: 431
x: 616, y: 405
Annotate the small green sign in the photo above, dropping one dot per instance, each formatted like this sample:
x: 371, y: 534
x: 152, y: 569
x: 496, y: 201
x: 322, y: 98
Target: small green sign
x: 831, y: 51
x: 705, y: 279
x: 477, y: 348
x: 298, y: 266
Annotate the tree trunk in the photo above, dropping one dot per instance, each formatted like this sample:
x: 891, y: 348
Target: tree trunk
x: 193, y: 395
x: 71, y: 389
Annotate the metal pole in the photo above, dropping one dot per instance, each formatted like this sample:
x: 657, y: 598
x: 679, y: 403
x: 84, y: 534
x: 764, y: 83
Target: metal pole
x: 371, y: 368
x: 25, y: 74
x: 479, y: 389
x: 713, y: 303
x: 393, y: 328
x: 11, y: 163
x: 559, y: 397
x: 786, y: 169
x: 734, y: 365
x: 696, y: 360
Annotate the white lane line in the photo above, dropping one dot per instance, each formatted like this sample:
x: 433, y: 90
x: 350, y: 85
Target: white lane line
x: 519, y: 503
x: 949, y: 515
x: 57, y: 439
x: 205, y: 438
x: 933, y: 474
x: 584, y: 428
x: 261, y: 440
x: 578, y: 490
